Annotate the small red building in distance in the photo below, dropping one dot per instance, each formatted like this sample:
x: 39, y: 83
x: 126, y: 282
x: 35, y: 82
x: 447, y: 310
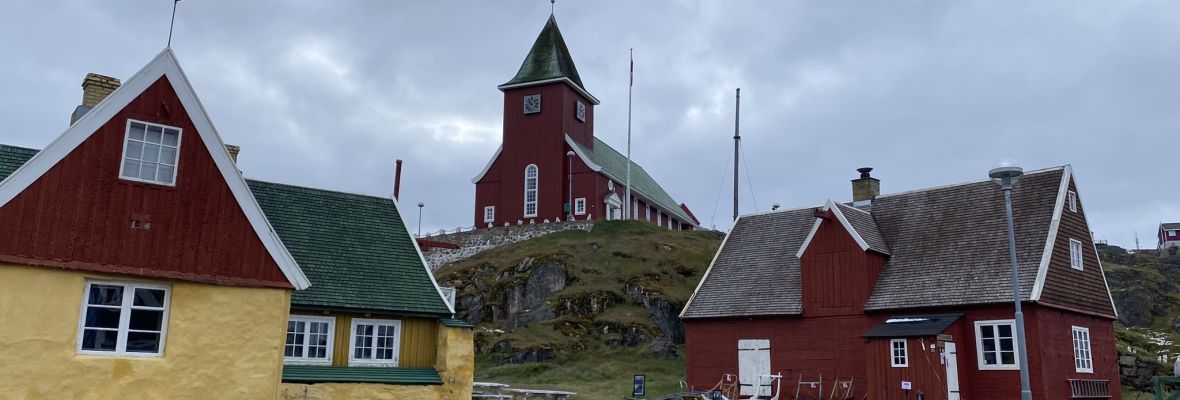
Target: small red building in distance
x: 550, y: 160
x: 910, y: 290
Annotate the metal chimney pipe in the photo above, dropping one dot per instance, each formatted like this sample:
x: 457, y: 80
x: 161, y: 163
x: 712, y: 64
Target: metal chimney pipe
x: 397, y: 180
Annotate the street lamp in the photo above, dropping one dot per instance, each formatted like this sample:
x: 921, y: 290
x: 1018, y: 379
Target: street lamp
x: 420, y: 205
x: 1006, y: 176
x: 569, y: 155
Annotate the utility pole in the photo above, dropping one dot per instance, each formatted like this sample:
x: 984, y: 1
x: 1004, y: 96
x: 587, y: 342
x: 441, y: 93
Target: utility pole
x: 737, y: 142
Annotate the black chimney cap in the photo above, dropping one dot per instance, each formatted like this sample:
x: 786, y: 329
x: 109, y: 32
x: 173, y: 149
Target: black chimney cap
x: 864, y: 171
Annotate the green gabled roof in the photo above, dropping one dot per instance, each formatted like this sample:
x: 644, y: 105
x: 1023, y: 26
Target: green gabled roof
x: 354, y: 249
x: 386, y: 375
x: 12, y: 157
x: 615, y: 164
x: 548, y: 59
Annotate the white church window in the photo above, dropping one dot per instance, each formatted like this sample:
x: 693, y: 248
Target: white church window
x: 580, y: 206
x: 530, y: 191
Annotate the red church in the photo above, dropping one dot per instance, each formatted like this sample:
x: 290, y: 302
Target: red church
x: 909, y: 294
x: 550, y: 167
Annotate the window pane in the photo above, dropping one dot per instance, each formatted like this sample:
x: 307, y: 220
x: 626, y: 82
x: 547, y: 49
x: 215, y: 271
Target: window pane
x: 1005, y: 330
x: 149, y: 298
x: 136, y: 131
x: 989, y: 345
x: 134, y: 150
x: 989, y: 358
x: 151, y: 152
x: 146, y: 320
x: 99, y: 340
x: 147, y: 171
x: 143, y: 342
x: 168, y: 155
x: 165, y: 174
x: 1008, y: 357
x: 153, y: 134
x: 106, y: 295
x: 986, y: 332
x: 101, y: 317
x: 170, y: 136
x: 130, y: 168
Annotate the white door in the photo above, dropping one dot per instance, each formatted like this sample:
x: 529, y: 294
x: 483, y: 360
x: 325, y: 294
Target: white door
x: 753, y: 362
x: 952, y: 372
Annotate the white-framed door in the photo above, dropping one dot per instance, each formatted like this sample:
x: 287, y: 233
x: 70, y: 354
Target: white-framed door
x: 952, y: 371
x: 753, y: 363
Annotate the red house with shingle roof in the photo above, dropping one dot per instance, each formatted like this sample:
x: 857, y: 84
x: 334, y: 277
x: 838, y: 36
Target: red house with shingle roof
x: 912, y: 290
x: 1169, y: 235
x: 550, y: 160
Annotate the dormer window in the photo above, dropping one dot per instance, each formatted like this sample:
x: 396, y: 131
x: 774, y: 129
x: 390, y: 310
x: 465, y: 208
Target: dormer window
x: 581, y: 112
x: 150, y: 153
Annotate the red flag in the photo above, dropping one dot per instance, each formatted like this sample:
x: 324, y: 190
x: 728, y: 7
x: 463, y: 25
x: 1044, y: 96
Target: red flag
x: 632, y: 67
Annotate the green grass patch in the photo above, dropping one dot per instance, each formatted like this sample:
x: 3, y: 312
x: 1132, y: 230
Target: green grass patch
x: 596, y: 373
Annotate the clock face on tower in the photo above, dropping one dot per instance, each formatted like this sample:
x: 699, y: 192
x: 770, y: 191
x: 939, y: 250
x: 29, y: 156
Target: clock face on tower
x: 581, y: 112
x: 532, y: 104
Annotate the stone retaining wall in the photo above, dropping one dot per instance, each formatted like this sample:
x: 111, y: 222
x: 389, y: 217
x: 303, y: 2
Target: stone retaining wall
x: 479, y: 240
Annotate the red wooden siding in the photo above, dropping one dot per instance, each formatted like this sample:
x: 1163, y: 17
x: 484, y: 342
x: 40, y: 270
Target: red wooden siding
x: 926, y: 371
x: 837, y: 276
x: 78, y: 214
x: 1054, y: 340
x: 1083, y: 290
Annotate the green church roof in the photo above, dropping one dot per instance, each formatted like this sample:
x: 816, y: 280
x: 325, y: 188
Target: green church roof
x: 614, y: 164
x: 548, y: 59
x: 354, y: 249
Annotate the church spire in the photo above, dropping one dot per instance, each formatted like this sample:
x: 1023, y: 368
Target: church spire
x: 548, y: 59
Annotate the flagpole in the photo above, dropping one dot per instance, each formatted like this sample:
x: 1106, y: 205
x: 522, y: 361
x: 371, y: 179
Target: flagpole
x: 627, y: 206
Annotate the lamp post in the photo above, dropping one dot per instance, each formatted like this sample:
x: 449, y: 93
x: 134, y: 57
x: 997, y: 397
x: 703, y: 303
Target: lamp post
x: 420, y: 205
x: 1006, y: 176
x: 569, y: 155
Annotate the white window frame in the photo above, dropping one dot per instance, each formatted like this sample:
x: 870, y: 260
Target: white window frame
x: 1075, y: 255
x: 536, y: 191
x: 1073, y: 201
x: 647, y: 211
x: 125, y: 317
x: 305, y: 360
x: 352, y: 345
x: 1083, y: 357
x: 904, y: 356
x: 995, y: 324
x: 489, y: 214
x: 123, y: 156
x: 580, y: 206
x: 659, y: 218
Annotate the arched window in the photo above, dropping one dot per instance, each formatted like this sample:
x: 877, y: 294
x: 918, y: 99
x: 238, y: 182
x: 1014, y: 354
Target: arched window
x: 530, y: 191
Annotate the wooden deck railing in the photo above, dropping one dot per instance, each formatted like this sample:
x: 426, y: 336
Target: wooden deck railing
x: 1089, y: 389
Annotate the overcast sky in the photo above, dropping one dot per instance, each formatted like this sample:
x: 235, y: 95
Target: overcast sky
x: 329, y: 93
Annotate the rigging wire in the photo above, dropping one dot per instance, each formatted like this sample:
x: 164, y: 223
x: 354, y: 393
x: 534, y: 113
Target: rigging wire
x: 749, y: 183
x: 720, y: 187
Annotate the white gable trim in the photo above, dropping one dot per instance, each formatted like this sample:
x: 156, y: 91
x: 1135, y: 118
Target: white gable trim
x: 710, y: 269
x: 1047, y: 254
x: 483, y: 172
x: 830, y: 205
x: 422, y: 259
x: 164, y: 64
x: 582, y: 155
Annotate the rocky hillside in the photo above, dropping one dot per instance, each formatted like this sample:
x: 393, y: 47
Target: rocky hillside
x: 619, y: 286
x: 1146, y: 290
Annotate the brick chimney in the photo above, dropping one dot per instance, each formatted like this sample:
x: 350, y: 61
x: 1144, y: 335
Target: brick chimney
x: 233, y: 151
x: 95, y: 88
x: 866, y: 188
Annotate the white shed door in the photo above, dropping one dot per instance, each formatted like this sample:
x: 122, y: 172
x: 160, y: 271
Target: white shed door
x: 753, y: 362
x: 952, y: 372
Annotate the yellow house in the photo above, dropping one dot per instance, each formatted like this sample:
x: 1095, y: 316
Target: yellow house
x: 135, y: 262
x: 374, y: 323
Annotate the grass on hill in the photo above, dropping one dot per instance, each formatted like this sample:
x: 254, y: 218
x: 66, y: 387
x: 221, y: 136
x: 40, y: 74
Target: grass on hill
x: 594, y: 373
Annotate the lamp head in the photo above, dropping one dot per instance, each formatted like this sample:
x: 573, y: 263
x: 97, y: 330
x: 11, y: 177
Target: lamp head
x: 1006, y: 174
x: 569, y: 153
x: 421, y: 204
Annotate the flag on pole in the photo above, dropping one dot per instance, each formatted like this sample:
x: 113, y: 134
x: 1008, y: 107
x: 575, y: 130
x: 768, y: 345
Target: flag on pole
x: 632, y: 69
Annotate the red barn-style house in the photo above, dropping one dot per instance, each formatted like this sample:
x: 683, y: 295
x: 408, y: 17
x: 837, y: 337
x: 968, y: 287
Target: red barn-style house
x: 912, y: 290
x: 550, y: 160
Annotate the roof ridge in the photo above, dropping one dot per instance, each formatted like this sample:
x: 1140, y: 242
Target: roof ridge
x: 778, y: 211
x: 328, y: 191
x: 1036, y: 171
x: 9, y: 147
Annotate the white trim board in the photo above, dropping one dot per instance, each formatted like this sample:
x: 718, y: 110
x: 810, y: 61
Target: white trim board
x: 1094, y: 246
x: 583, y: 92
x: 1047, y: 254
x: 163, y: 65
x: 398, y: 208
x: 831, y: 205
x: 487, y: 167
x: 710, y: 269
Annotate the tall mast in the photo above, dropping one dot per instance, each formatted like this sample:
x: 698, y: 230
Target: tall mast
x: 737, y: 142
x: 627, y: 205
